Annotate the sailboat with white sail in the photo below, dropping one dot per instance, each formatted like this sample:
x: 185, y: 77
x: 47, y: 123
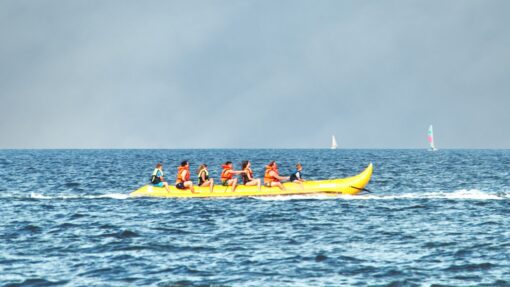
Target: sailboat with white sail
x: 431, y: 139
x: 334, y: 145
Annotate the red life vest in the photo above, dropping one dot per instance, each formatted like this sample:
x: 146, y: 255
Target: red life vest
x: 224, y: 175
x: 269, y: 178
x: 179, y: 174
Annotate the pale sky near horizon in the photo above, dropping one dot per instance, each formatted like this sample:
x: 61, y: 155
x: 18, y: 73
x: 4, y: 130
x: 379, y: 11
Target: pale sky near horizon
x: 254, y: 74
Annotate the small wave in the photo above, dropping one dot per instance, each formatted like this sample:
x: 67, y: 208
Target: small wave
x: 31, y: 228
x: 38, y: 282
x: 39, y: 196
x: 72, y: 184
x: 472, y: 194
x: 470, y: 267
x: 320, y: 258
x: 122, y: 234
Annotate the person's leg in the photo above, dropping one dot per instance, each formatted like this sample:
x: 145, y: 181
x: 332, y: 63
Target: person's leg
x: 189, y: 184
x: 279, y: 184
x: 211, y: 184
x: 226, y: 184
x: 233, y: 183
x: 165, y: 184
x: 251, y: 183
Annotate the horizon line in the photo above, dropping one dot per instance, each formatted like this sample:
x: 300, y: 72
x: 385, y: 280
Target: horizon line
x: 244, y: 148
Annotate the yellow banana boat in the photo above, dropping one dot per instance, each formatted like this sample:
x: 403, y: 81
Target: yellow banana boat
x: 350, y: 185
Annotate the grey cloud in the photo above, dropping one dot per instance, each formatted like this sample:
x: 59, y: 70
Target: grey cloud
x: 253, y: 74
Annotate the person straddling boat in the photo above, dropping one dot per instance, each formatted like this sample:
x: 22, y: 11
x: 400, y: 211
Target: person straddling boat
x: 248, y: 179
x: 183, y: 176
x: 203, y: 177
x: 297, y: 176
x: 157, y: 178
x: 227, y: 175
x: 271, y: 176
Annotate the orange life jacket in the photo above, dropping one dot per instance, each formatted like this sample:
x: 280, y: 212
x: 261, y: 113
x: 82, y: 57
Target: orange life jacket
x: 267, y: 177
x: 224, y: 175
x: 179, y: 174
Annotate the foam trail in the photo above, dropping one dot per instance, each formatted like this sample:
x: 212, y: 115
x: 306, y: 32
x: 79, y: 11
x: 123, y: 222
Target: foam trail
x: 463, y: 194
x: 110, y: 195
x: 471, y: 194
x: 114, y: 196
x: 295, y: 197
x: 38, y: 196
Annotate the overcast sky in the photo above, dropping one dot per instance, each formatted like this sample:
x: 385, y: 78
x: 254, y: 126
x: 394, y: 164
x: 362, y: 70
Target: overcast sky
x: 254, y: 74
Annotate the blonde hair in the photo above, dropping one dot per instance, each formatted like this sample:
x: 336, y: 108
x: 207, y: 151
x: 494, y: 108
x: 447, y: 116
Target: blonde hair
x: 201, y: 167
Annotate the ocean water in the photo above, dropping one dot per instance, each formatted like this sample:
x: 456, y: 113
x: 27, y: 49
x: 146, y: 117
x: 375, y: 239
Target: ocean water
x: 433, y: 219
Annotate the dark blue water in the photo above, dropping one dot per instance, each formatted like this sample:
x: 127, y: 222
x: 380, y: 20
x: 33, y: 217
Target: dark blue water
x: 434, y: 218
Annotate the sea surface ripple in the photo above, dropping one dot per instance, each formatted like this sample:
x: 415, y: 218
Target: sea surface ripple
x: 432, y: 219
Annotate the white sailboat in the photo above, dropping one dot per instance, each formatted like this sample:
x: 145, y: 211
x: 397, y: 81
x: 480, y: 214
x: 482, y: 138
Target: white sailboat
x: 334, y: 145
x: 431, y: 139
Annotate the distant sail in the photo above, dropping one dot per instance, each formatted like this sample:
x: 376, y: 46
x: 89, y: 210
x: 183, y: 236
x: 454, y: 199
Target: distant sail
x: 431, y: 138
x: 334, y: 145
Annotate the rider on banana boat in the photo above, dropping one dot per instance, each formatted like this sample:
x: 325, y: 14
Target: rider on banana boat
x: 297, y: 175
x: 227, y: 175
x: 157, y: 178
x: 183, y: 176
x: 203, y: 177
x: 248, y: 175
x: 271, y: 176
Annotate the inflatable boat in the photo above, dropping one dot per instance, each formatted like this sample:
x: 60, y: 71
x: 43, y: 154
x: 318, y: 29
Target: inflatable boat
x: 349, y: 185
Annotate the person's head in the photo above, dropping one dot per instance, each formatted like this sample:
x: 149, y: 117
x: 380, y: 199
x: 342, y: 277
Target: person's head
x: 245, y: 164
x: 202, y: 167
x: 159, y: 166
x: 184, y: 163
x: 228, y: 163
x: 299, y: 166
x: 272, y: 164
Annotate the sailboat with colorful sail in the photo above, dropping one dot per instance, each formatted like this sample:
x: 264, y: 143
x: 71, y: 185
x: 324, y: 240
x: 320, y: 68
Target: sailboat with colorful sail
x: 431, y: 139
x: 334, y: 145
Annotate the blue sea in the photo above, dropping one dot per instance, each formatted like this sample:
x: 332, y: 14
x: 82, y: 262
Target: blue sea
x: 433, y: 219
